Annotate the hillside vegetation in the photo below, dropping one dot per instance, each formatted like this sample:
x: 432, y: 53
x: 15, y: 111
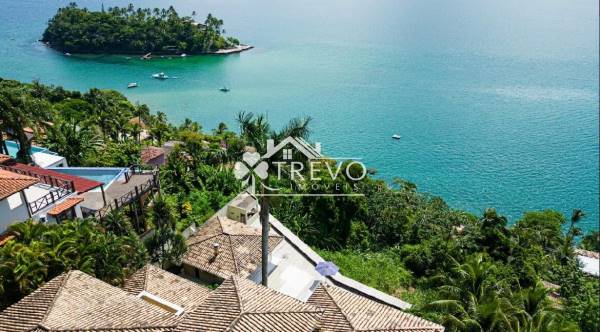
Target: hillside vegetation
x: 133, y: 31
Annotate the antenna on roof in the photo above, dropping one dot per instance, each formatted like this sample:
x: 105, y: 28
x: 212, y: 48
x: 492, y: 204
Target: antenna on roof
x: 264, y: 220
x: 215, y: 246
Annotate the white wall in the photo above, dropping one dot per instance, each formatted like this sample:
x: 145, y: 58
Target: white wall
x: 12, y: 212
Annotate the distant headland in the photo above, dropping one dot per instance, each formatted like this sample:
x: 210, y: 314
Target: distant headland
x: 141, y: 31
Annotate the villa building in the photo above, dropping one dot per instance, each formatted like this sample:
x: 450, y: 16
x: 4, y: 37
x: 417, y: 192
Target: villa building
x: 153, y: 156
x: 31, y: 192
x: 13, y: 201
x: 224, y: 247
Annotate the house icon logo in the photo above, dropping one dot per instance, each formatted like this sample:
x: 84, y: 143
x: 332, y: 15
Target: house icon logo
x: 286, y: 147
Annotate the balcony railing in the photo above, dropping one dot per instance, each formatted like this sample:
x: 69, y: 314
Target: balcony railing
x: 59, y: 188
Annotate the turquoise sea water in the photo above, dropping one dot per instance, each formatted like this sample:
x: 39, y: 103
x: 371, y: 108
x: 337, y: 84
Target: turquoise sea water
x: 496, y: 101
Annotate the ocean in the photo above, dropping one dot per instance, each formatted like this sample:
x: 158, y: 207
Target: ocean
x: 496, y: 101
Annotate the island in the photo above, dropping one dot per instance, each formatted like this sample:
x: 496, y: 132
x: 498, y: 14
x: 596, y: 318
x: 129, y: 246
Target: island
x: 128, y: 30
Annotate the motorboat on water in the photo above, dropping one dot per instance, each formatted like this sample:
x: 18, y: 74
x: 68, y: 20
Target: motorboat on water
x: 396, y: 136
x: 160, y: 76
x: 132, y: 85
x: 224, y: 89
x: 67, y: 54
x: 183, y: 55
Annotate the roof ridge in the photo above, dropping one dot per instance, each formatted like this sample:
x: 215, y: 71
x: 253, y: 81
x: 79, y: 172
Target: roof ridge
x: 325, y: 288
x: 146, y: 271
x: 204, y: 240
x: 237, y: 292
x: 316, y: 311
x: 233, y: 256
x: 56, y: 295
x: 235, y: 321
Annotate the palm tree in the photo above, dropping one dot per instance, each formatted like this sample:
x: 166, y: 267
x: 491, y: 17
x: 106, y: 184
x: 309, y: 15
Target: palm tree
x: 256, y: 129
x: 159, y: 127
x: 18, y: 110
x: 538, y: 312
x: 221, y: 129
x: 473, y: 299
x: 73, y: 140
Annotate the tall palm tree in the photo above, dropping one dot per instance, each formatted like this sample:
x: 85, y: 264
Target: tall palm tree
x: 255, y: 129
x: 73, y: 140
x: 18, y: 110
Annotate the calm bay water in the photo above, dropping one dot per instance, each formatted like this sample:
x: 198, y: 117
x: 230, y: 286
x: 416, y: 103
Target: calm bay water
x: 496, y: 102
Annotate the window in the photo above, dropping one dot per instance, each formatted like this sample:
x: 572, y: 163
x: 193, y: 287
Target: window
x: 287, y: 154
x: 15, y: 201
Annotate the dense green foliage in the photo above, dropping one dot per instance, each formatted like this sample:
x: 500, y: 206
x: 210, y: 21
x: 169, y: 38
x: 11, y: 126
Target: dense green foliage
x: 96, y: 128
x: 40, y: 252
x: 133, y: 31
x: 165, y: 245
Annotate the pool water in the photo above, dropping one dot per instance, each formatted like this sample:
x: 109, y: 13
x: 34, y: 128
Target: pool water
x: 13, y: 148
x: 106, y: 175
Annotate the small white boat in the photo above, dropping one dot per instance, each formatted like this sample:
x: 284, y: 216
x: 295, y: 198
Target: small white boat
x: 396, y: 136
x: 147, y: 56
x: 67, y: 54
x: 183, y: 55
x: 160, y: 76
x: 132, y: 85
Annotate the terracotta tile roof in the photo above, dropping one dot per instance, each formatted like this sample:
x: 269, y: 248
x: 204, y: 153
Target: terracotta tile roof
x: 81, y: 184
x: 587, y: 253
x: 346, y: 311
x: 173, y: 288
x: 241, y: 305
x: 75, y: 301
x: 4, y: 158
x: 5, y: 237
x: 11, y: 183
x: 65, y: 205
x: 151, y: 152
x: 239, y: 248
x: 137, y: 121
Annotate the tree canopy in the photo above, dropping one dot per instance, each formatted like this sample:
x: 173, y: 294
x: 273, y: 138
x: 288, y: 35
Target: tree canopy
x: 128, y: 30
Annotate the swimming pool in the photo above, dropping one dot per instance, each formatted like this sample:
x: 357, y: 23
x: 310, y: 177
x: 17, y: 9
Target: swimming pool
x: 106, y: 175
x: 13, y: 148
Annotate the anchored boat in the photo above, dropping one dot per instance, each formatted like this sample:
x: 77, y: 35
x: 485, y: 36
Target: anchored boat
x: 160, y: 76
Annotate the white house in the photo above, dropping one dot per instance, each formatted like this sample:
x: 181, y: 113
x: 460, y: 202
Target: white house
x: 25, y: 195
x: 13, y: 201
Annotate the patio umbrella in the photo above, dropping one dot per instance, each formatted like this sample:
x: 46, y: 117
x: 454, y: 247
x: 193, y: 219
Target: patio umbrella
x: 327, y: 268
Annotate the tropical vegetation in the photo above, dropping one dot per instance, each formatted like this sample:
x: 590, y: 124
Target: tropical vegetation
x: 469, y: 272
x: 40, y: 252
x: 129, y: 30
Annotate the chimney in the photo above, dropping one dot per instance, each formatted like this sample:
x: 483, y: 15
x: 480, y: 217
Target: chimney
x: 215, y: 250
x: 270, y: 145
